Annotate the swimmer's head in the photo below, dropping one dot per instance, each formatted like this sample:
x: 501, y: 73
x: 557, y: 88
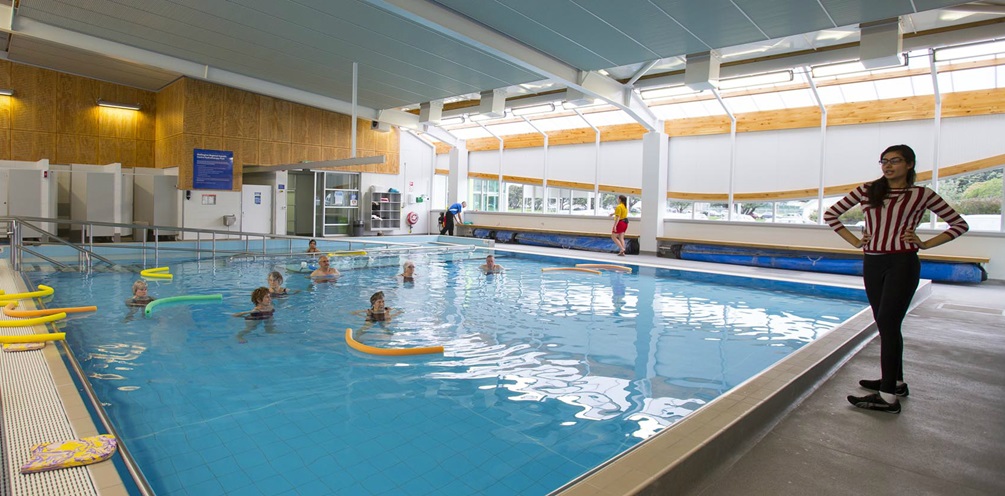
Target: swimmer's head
x: 139, y: 285
x: 259, y: 295
x: 378, y: 296
x: 275, y: 276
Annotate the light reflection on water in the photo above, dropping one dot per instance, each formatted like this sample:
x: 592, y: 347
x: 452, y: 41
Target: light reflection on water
x: 545, y: 375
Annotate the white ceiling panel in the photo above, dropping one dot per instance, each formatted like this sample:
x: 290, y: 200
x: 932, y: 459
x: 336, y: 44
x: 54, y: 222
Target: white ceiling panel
x: 414, y: 51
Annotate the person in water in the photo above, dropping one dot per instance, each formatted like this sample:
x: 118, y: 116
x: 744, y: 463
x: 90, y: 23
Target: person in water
x: 325, y: 272
x: 407, y: 271
x: 377, y: 312
x: 490, y: 266
x: 312, y: 247
x: 140, y: 297
x: 276, y: 288
x: 263, y: 311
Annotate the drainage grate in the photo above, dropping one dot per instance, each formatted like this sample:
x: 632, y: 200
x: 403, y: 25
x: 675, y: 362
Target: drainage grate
x: 968, y: 308
x: 31, y: 413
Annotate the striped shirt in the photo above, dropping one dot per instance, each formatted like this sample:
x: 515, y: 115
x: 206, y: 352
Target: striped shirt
x: 902, y: 210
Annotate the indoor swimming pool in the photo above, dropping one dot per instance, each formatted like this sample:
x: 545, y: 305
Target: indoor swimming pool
x: 545, y: 375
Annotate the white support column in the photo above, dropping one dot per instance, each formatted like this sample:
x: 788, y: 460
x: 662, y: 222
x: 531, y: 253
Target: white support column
x: 457, y: 181
x: 655, y: 153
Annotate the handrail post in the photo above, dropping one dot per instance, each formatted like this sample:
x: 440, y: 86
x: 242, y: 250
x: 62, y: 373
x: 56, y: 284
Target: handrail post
x: 14, y: 237
x: 265, y: 246
x: 214, y: 245
x: 198, y: 245
x: 144, y: 247
x: 157, y: 246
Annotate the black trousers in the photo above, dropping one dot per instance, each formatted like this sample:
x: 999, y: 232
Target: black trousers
x: 448, y: 224
x: 890, y: 282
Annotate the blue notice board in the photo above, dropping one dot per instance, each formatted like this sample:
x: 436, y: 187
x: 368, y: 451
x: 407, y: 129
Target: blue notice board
x: 212, y: 169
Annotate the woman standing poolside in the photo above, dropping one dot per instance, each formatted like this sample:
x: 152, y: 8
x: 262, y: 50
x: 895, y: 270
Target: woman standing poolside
x: 893, y: 208
x: 620, y: 224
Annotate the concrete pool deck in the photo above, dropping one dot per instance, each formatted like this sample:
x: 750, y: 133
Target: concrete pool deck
x: 804, y: 437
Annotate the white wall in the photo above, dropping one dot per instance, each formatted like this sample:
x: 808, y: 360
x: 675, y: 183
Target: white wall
x: 698, y: 164
x: 195, y: 215
x: 621, y: 164
x: 777, y: 160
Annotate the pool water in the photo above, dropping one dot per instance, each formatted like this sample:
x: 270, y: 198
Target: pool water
x: 544, y: 375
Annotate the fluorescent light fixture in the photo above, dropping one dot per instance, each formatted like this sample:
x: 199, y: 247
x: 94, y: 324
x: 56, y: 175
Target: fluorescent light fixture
x: 850, y: 67
x: 667, y: 92
x: 484, y: 117
x: 6, y: 92
x: 127, y: 106
x: 969, y: 51
x: 534, y: 109
x: 452, y: 121
x: 581, y: 104
x: 756, y: 80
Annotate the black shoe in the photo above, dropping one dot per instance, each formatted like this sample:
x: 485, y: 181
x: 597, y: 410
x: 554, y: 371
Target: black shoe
x: 874, y: 402
x: 873, y: 385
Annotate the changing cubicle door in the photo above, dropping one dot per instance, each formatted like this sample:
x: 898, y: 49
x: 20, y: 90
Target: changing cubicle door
x: 256, y: 208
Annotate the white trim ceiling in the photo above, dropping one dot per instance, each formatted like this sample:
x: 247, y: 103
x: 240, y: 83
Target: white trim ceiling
x: 414, y: 51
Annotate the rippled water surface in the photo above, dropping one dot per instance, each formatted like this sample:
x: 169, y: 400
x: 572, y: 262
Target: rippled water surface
x: 545, y: 375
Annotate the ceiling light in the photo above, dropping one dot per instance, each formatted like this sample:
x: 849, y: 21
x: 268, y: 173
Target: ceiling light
x: 452, y: 121
x: 484, y: 117
x: 851, y: 67
x: 534, y: 109
x: 969, y: 51
x: 569, y: 105
x: 666, y: 92
x: 127, y: 106
x: 6, y: 92
x: 756, y: 80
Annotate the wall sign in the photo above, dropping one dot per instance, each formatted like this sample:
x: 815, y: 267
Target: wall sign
x: 212, y: 169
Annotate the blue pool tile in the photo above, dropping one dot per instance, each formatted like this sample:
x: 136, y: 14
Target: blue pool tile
x: 274, y: 484
x: 208, y: 487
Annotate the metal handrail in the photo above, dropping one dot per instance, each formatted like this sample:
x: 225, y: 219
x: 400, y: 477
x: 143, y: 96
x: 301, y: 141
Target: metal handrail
x: 88, y: 239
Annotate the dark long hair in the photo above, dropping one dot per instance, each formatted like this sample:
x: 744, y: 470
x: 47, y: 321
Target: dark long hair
x: 879, y: 188
x: 623, y: 199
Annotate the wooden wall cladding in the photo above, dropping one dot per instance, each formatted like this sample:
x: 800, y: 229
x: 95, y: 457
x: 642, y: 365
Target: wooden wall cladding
x: 55, y: 116
x: 170, y: 112
x: 260, y: 130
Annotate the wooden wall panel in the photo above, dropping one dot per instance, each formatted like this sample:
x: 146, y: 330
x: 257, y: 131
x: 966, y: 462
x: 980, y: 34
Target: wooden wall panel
x: 309, y: 153
x: 307, y: 125
x: 241, y: 114
x: 7, y: 104
x: 336, y: 130
x: 123, y: 151
x: 78, y: 107
x: 5, y: 144
x: 32, y: 145
x: 145, y: 156
x: 621, y: 132
x: 273, y: 153
x: 76, y: 149
x: 364, y: 136
x: 171, y: 110
x: 716, y: 124
x: 778, y: 119
x: 275, y: 119
x: 204, y: 103
x: 245, y: 150
x: 38, y: 90
x: 890, y: 110
x: 979, y: 102
x: 335, y: 153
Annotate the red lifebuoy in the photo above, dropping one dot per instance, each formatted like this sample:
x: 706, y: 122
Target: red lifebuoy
x: 412, y: 218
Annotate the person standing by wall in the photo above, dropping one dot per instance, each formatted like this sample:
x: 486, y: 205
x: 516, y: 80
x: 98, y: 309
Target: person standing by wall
x: 893, y: 208
x: 453, y: 216
x: 620, y: 224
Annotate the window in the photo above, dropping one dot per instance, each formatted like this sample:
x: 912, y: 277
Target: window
x: 976, y: 196
x: 484, y: 195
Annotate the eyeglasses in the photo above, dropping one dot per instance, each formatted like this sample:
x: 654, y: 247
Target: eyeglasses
x: 892, y: 161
